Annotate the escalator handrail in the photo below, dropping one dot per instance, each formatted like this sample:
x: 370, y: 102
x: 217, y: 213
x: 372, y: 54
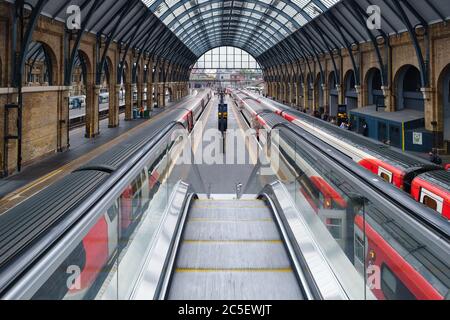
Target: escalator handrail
x: 389, y: 192
x: 322, y: 281
x: 165, y: 280
x: 12, y: 283
x: 308, y: 288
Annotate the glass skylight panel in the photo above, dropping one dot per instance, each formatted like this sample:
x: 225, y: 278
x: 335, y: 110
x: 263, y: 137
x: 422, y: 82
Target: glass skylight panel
x: 281, y: 5
x: 301, y: 3
x: 179, y: 10
x: 300, y: 19
x: 149, y: 3
x: 250, y: 5
x: 329, y: 3
x: 282, y: 19
x: 312, y: 10
x: 290, y: 11
x: 184, y: 19
x: 169, y: 19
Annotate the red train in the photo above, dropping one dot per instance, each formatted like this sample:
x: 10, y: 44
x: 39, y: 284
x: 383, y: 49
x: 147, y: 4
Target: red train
x: 409, y: 173
x: 404, y: 269
x: 322, y: 196
x: 111, y: 234
x: 395, y: 276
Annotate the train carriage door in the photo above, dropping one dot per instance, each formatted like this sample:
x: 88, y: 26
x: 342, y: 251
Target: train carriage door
x: 386, y: 175
x: 392, y: 287
x: 360, y: 250
x: 335, y: 221
x: 112, y: 220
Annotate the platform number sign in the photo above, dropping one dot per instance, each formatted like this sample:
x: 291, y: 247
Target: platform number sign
x: 418, y: 138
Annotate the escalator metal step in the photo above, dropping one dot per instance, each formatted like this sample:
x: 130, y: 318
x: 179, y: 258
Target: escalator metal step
x: 233, y: 255
x: 226, y: 285
x: 232, y: 250
x: 231, y: 230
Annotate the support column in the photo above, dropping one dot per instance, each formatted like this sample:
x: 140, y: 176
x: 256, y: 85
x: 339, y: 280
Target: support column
x: 433, y: 122
x: 341, y: 94
x: 290, y: 94
x: 149, y: 94
x: 63, y: 125
x: 114, y: 107
x: 326, y: 98
x: 315, y: 99
x: 359, y: 93
x: 140, y: 93
x: 298, y: 96
x: 186, y: 89
x: 92, y: 110
x: 161, y: 96
x: 389, y: 99
x: 128, y: 102
x: 305, y: 96
x: 177, y: 91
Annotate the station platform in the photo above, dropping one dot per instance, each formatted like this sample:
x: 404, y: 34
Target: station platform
x: 237, y: 166
x: 37, y: 176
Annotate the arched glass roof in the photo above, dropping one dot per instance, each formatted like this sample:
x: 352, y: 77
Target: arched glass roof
x: 252, y: 25
x: 227, y: 58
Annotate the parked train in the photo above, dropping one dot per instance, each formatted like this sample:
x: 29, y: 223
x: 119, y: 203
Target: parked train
x: 401, y: 269
x: 112, y: 233
x: 412, y: 174
x: 77, y: 102
x: 103, y: 98
x: 369, y: 237
x: 322, y: 195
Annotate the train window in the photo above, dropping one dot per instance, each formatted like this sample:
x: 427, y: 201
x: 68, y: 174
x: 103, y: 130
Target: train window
x: 113, y: 212
x: 392, y: 287
x: 385, y: 174
x: 431, y: 200
x: 359, y: 249
x: 335, y: 228
x: 360, y: 256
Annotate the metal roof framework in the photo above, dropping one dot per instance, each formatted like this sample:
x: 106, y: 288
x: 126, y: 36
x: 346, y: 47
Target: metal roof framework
x: 345, y: 26
x: 275, y: 32
x: 127, y: 22
x: 266, y: 22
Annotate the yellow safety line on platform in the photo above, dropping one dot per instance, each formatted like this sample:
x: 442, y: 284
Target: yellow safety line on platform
x: 35, y: 184
x: 78, y: 162
x: 249, y: 270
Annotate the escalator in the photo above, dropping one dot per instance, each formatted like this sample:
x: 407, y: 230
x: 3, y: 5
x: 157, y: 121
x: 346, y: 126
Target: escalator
x: 232, y: 250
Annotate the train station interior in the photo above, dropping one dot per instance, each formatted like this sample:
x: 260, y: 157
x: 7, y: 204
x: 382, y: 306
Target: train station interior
x: 261, y: 150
